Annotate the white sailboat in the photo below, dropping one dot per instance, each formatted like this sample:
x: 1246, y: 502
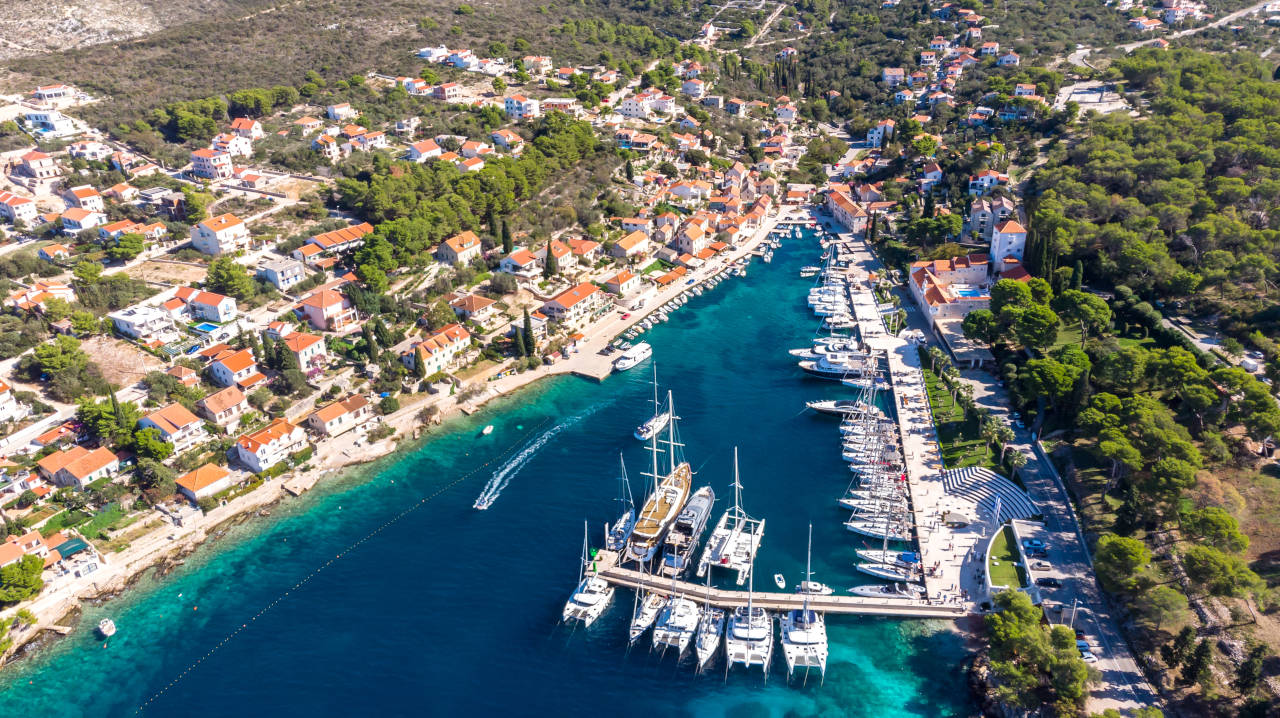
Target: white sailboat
x: 660, y: 418
x: 736, y: 537
x: 616, y: 535
x: 592, y: 596
x: 710, y: 627
x: 804, y: 632
x: 749, y: 636
x: 644, y: 612
x: 663, y: 505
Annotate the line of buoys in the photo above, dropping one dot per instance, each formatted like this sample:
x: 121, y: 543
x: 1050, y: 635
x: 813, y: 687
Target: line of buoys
x: 306, y: 579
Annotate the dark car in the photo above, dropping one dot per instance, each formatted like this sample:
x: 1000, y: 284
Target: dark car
x: 1049, y: 582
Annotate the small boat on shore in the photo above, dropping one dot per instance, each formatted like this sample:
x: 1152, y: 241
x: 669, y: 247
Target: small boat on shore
x: 633, y: 356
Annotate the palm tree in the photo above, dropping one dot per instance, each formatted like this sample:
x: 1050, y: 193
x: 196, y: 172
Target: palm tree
x: 1016, y: 461
x: 935, y: 356
x: 1003, y: 436
x: 989, y: 430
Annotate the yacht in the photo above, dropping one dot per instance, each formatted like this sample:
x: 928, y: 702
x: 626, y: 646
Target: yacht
x: 682, y: 539
x: 838, y: 366
x: 877, y: 527
x: 593, y: 594
x: 710, y: 628
x: 663, y: 505
x: 804, y: 632
x: 645, y: 613
x: 890, y: 571
x: 676, y: 624
x: 616, y: 535
x: 813, y: 588
x: 838, y: 407
x: 892, y: 590
x: 656, y: 423
x: 809, y: 271
x: 735, y: 539
x: 749, y: 637
x: 633, y: 356
x: 876, y: 555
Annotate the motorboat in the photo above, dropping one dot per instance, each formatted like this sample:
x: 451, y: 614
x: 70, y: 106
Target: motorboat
x: 780, y: 580
x: 107, y: 628
x: 813, y: 588
x: 682, y: 539
x: 839, y: 407
x: 589, y: 601
x: 838, y: 365
x: 890, y: 590
x: 889, y: 571
x: 487, y: 430
x: 676, y: 624
x: 656, y: 423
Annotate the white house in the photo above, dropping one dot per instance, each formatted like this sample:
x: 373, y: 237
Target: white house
x: 176, y: 425
x: 18, y: 209
x: 205, y: 481
x: 224, y: 407
x: 439, y: 349
x: 881, y: 132
x: 247, y: 127
x: 519, y: 107
x: 341, y: 111
x: 341, y: 416
x: 282, y: 273
x: 268, y: 446
x: 78, y: 466
x: 424, y: 150
x: 220, y: 235
x: 143, y: 322
x: 1008, y: 241
x: 574, y: 306
x: 233, y: 144
x: 84, y: 197
x: 211, y: 164
x: 235, y: 369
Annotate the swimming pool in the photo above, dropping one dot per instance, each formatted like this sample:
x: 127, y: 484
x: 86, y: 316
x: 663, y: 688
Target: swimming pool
x: 967, y: 291
x: 206, y: 327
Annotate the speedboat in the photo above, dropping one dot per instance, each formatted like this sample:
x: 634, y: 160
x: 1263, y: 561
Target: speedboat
x: 813, y: 588
x: 892, y: 590
x: 676, y: 624
x: 682, y: 538
x: 107, y: 628
x: 646, y: 614
x: 589, y: 600
x: 837, y: 366
x: 780, y: 580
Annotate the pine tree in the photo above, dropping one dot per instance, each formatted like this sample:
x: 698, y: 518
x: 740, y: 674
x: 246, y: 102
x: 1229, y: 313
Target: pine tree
x: 1197, y: 668
x: 530, y: 344
x: 507, y: 243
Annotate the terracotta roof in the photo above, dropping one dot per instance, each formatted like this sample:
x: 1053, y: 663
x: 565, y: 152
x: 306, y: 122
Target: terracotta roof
x: 221, y: 222
x: 298, y: 342
x: 571, y: 297
x: 238, y: 361
x: 220, y: 401
x: 172, y: 418
x: 1010, y: 226
x: 205, y: 476
x: 324, y: 298
x: 342, y: 236
x: 350, y: 405
x: 274, y: 431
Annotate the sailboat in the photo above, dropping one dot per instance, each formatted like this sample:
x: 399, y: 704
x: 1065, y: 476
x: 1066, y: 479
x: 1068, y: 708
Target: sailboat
x: 710, y: 626
x: 664, y: 504
x: 749, y: 636
x: 644, y: 611
x: 659, y: 420
x: 804, y: 632
x: 616, y: 535
x: 593, y: 594
x: 736, y: 537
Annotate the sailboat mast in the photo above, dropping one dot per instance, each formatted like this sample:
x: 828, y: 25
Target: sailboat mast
x: 653, y: 440
x: 582, y: 568
x: 737, y: 487
x: 808, y: 573
x: 671, y: 432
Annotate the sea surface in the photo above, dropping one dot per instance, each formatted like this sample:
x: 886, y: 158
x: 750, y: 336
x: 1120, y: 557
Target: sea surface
x: 383, y: 592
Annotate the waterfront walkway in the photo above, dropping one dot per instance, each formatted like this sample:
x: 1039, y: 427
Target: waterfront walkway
x: 604, y: 566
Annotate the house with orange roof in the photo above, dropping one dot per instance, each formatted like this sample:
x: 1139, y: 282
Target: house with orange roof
x: 1008, y: 241
x: 846, y: 211
x: 327, y: 310
x: 308, y: 254
x: 950, y: 288
x: 186, y: 376
x: 308, y: 349
x: 508, y: 140
x: 423, y: 151
x: 985, y: 180
x: 176, y: 425
x: 224, y: 407
x: 576, y: 305
x: 205, y: 481
x: 268, y: 446
x: 84, y: 197
x: 341, y: 416
x: 17, y: 208
x: 223, y: 234
x: 622, y: 283
x: 238, y: 368
x: 519, y: 107
x: 439, y: 350
x: 247, y: 127
x: 54, y: 252
x: 76, y: 220
x: 39, y: 165
x: 559, y: 250
x: 585, y: 251
x: 459, y: 249
x: 473, y: 307
x: 10, y: 408
x: 521, y: 263
x: 207, y: 305
x: 211, y: 163
x: 341, y: 239
x: 32, y: 298
x: 77, y: 466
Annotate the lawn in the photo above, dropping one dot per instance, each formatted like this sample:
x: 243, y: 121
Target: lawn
x: 962, y: 445
x: 1003, y: 564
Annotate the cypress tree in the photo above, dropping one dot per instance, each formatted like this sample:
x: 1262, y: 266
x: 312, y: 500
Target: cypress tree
x: 507, y: 243
x: 551, y: 266
x: 520, y: 346
x: 928, y: 205
x: 872, y: 225
x: 1077, y: 275
x: 269, y: 352
x: 631, y: 172
x: 530, y: 345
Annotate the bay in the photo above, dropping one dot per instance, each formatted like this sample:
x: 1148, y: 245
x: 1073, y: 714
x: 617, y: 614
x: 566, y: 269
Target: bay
x: 384, y: 592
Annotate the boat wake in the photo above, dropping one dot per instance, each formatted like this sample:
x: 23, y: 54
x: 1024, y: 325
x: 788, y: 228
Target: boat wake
x: 493, y: 489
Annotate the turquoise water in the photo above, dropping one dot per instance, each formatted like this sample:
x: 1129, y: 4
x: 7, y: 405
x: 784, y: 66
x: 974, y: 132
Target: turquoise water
x: 444, y: 610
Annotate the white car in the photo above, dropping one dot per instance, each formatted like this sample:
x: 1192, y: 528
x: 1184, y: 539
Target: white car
x: 1088, y: 657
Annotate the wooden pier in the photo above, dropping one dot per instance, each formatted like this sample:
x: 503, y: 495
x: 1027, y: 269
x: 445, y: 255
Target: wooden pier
x: 604, y: 565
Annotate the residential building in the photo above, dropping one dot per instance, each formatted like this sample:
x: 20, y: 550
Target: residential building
x: 439, y: 350
x: 1009, y: 59
x: 144, y: 323
x: 329, y: 147
x: 423, y: 151
x: 950, y: 288
x: 883, y: 131
x: 575, y: 306
x: 205, y: 481
x: 248, y: 128
x: 341, y: 416
x: 16, y: 209
x: 77, y: 220
x: 1008, y: 241
x: 211, y: 164
x: 84, y: 197
x: 449, y: 92
x: 622, y: 283
x: 328, y: 310
x: 984, y: 181
x: 78, y: 466
x: 33, y: 297
x: 51, y: 123
x: 459, y: 249
x: 39, y: 165
x: 308, y: 349
x: 282, y: 273
x: 53, y: 252
x: 986, y: 212
x: 694, y: 87
x: 233, y: 144
x: 473, y: 307
x: 342, y: 239
x: 519, y: 107
x: 224, y: 407
x: 10, y: 408
x: 567, y: 105
x: 268, y: 446
x: 520, y: 262
x: 237, y: 368
x: 176, y: 425
x: 508, y: 140
x: 341, y: 111
x: 223, y: 234
x: 846, y: 211
x: 209, y: 306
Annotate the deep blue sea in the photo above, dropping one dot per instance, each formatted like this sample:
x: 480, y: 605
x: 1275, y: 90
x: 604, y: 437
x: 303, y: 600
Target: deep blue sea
x: 445, y: 610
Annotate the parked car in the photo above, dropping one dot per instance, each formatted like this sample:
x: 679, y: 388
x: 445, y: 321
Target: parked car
x: 1082, y: 644
x: 1048, y: 582
x: 1032, y: 543
x: 1088, y: 657
x: 1041, y: 565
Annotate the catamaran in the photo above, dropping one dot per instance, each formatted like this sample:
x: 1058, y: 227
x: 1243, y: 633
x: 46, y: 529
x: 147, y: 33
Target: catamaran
x: 804, y: 632
x: 749, y: 637
x: 664, y: 504
x: 633, y: 356
x: 676, y: 624
x: 592, y: 596
x: 616, y: 535
x: 710, y: 626
x: 682, y: 539
x: 736, y: 537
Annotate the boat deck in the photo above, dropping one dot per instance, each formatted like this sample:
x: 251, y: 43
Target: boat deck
x: 605, y: 566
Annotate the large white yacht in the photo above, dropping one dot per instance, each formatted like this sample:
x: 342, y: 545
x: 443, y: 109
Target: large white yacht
x: 633, y: 356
